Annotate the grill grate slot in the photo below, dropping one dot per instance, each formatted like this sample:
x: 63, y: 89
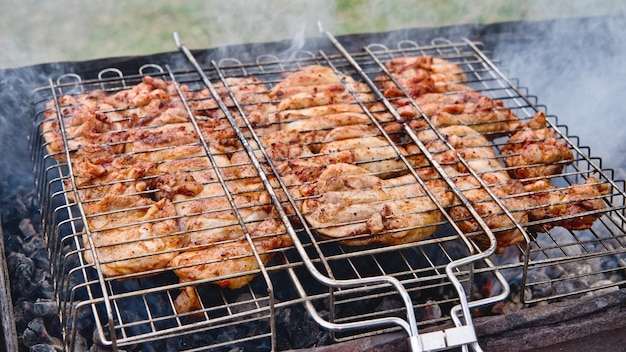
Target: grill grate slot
x: 337, y: 283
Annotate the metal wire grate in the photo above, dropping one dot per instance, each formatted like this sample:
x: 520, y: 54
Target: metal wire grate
x: 352, y: 290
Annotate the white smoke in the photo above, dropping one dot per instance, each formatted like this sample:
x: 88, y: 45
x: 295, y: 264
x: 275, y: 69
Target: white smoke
x: 580, y: 78
x: 33, y: 31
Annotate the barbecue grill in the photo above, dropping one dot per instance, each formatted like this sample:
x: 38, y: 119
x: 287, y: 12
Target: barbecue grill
x: 428, y: 289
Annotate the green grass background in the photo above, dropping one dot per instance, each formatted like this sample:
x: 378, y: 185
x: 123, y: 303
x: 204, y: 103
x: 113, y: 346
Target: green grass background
x: 35, y: 31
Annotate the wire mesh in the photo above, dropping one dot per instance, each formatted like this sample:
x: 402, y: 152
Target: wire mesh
x: 144, y: 306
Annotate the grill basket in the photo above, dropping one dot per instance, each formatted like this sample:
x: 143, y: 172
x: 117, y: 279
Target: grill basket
x: 427, y: 288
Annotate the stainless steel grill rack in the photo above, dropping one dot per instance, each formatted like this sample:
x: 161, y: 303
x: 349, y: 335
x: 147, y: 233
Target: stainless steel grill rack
x: 351, y: 291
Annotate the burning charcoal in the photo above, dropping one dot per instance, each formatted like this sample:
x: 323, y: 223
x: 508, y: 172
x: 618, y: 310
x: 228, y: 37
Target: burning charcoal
x: 569, y: 286
x: 45, y: 308
x: 601, y: 291
x: 33, y: 244
x: 18, y: 207
x: 296, y: 332
x: 172, y: 345
x: 40, y: 257
x: 539, y: 283
x: 513, y: 302
x: 80, y: 343
x: 245, y: 303
x: 98, y: 347
x: 147, y: 347
x: 205, y: 339
x: 554, y: 272
x: 23, y: 311
x: 608, y: 263
x: 389, y: 303
x: 84, y: 319
x: 42, y: 348
x: 35, y: 333
x: 587, y: 274
x: 53, y: 325
x: 12, y: 243
x: 27, y: 228
x: 22, y: 271
x: 431, y: 311
x: 46, y: 289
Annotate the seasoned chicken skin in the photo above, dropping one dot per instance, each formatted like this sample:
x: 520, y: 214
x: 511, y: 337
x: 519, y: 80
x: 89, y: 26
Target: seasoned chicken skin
x: 252, y: 97
x: 97, y: 169
x: 231, y: 264
x: 132, y: 234
x: 348, y: 204
x: 439, y: 70
x: 574, y: 208
x: 316, y: 85
x: 469, y: 108
x: 421, y: 75
x: 100, y: 118
x: 374, y: 154
x: 535, y: 151
x: 481, y: 159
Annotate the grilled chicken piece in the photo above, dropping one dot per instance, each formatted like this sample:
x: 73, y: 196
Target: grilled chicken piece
x: 472, y: 109
x: 374, y: 154
x: 142, y: 94
x: 325, y: 88
x: 394, y: 130
x: 414, y: 86
x: 493, y: 215
x: 313, y: 75
x: 349, y: 204
x: 97, y: 169
x: 286, y: 116
x: 421, y: 75
x: 285, y: 145
x: 574, y: 208
x: 228, y: 264
x: 481, y: 158
x: 351, y: 131
x: 83, y: 126
x: 151, y: 138
x: 147, y: 139
x: 296, y: 164
x: 316, y: 79
x: 100, y: 118
x: 315, y: 129
x: 315, y: 100
x: 208, y: 216
x: 439, y: 70
x: 180, y: 152
x: 318, y: 86
x: 253, y: 98
x: 307, y: 100
x: 132, y: 234
x: 467, y: 143
x: 217, y: 245
x: 535, y: 151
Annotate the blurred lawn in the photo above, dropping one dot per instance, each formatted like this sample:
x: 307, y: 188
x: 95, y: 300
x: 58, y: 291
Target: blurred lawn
x: 35, y: 31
